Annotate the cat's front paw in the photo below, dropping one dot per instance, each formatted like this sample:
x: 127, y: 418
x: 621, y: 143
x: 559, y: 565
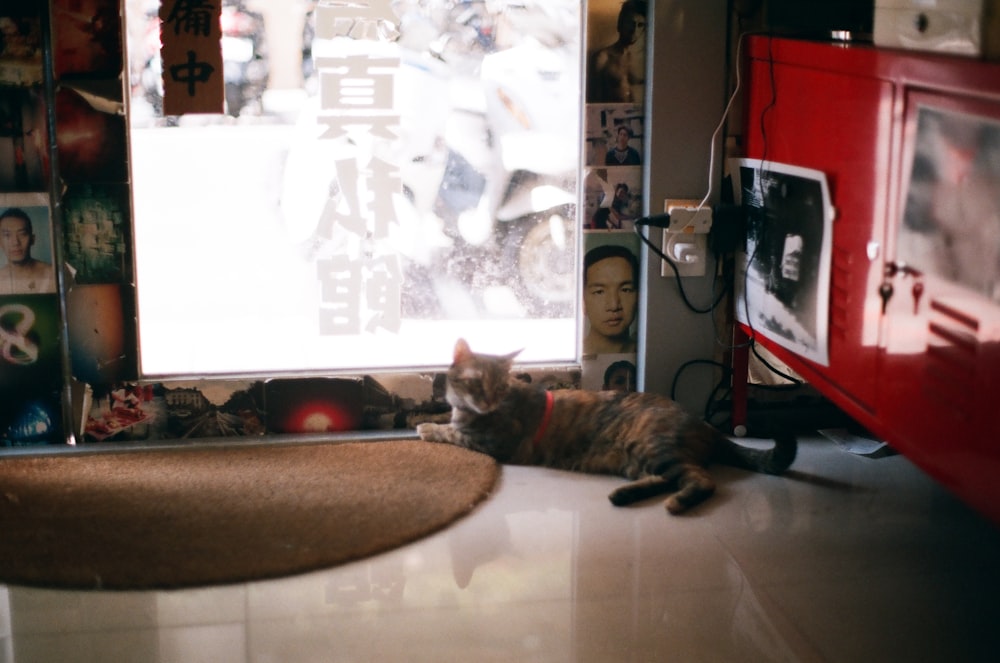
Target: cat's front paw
x: 429, y: 432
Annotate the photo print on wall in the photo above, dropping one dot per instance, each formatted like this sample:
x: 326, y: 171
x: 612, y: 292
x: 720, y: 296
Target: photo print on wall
x: 613, y: 193
x: 783, y: 278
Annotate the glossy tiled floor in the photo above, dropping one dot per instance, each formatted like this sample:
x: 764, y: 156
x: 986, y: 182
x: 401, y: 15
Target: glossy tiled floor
x: 847, y: 559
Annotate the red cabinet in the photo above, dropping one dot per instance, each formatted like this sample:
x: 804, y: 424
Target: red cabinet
x: 910, y: 145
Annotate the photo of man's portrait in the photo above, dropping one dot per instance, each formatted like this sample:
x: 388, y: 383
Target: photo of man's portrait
x: 616, y: 60
x: 25, y: 250
x: 610, y: 294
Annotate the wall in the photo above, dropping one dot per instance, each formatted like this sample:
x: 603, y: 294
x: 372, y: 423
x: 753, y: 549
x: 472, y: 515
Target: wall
x: 687, y: 92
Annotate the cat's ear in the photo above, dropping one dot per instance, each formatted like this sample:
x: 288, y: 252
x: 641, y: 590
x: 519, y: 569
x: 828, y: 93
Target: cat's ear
x: 462, y: 350
x: 511, y: 356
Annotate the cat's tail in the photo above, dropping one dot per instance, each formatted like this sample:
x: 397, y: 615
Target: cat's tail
x: 775, y: 460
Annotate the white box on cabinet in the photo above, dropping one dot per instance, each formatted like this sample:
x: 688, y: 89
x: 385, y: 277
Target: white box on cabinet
x: 957, y: 27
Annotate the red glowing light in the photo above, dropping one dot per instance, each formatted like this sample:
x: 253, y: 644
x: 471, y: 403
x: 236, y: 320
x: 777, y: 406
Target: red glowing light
x: 321, y: 417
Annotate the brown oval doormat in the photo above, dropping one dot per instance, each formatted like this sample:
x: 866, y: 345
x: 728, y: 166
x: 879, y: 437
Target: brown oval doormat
x: 181, y: 517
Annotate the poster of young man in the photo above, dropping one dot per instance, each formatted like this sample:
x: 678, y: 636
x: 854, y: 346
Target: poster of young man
x: 616, y: 52
x: 610, y: 293
x: 25, y: 245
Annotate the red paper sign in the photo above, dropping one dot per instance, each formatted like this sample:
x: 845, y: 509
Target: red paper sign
x: 192, y: 56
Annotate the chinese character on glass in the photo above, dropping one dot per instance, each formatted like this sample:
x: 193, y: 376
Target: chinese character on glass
x: 191, y: 50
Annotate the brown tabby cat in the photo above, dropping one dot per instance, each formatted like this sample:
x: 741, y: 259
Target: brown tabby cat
x: 644, y: 437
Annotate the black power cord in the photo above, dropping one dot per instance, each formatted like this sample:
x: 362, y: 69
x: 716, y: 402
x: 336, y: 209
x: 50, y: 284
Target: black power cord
x: 663, y: 221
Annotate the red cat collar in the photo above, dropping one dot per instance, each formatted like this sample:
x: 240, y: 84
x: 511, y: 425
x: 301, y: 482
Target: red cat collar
x: 545, y: 419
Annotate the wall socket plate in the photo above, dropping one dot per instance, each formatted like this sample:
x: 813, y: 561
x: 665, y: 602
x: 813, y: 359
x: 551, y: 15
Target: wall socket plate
x: 686, y: 216
x: 685, y: 240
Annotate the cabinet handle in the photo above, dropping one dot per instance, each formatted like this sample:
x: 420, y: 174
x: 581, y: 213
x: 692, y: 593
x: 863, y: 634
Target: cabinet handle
x: 894, y: 268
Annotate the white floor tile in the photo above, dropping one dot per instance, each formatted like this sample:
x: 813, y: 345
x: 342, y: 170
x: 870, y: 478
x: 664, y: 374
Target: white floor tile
x: 845, y: 559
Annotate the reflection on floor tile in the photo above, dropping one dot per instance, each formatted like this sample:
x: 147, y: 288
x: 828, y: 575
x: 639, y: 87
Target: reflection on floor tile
x: 844, y: 559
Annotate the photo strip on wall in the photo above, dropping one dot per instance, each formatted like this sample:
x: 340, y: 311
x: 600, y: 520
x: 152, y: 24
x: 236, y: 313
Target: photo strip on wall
x: 30, y: 366
x: 30, y: 351
x: 64, y: 212
x: 613, y: 196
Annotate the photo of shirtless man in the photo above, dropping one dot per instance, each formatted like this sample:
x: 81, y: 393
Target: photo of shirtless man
x: 614, y: 69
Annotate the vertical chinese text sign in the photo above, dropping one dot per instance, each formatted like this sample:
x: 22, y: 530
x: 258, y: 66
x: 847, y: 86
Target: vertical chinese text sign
x: 191, y: 49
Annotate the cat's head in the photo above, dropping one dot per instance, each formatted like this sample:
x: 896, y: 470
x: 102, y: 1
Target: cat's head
x: 477, y: 381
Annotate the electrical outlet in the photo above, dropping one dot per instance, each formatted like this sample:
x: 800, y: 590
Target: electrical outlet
x: 690, y: 220
x: 687, y: 251
x: 688, y: 216
x: 685, y: 240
